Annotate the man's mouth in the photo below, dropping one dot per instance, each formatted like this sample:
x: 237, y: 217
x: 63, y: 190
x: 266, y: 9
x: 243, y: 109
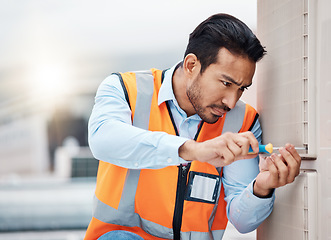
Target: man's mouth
x: 218, y: 111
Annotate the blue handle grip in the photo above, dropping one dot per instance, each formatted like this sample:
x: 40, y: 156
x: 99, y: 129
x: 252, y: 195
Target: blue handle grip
x: 262, y: 149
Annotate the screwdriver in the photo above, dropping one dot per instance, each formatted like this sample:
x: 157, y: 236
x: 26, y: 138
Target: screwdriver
x: 269, y: 148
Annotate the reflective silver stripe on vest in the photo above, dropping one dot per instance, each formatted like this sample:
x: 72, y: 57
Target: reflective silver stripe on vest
x: 145, y: 90
x: 217, y: 234
x: 235, y: 118
x: 128, y: 218
x: 111, y: 215
x: 125, y: 214
x: 129, y: 191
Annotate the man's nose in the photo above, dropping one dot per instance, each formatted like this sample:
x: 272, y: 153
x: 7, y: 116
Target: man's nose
x: 230, y: 101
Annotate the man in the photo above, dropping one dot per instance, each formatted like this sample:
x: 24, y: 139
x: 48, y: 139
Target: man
x: 174, y: 145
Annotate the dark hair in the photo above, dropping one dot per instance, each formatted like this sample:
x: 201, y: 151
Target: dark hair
x: 223, y: 30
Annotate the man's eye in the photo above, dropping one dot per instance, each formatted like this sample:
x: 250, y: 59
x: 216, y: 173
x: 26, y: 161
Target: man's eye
x: 227, y: 84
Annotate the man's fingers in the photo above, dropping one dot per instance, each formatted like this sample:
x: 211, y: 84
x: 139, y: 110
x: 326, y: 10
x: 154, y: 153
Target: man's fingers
x: 290, y: 148
x: 280, y: 169
x: 293, y: 161
x: 228, y: 156
x: 273, y: 172
x: 245, y: 140
x: 252, y: 141
x: 283, y: 170
x: 244, y: 144
x: 234, y: 148
x: 230, y: 147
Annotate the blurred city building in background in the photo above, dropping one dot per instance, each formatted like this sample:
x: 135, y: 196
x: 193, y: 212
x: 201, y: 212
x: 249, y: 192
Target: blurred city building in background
x: 54, y: 54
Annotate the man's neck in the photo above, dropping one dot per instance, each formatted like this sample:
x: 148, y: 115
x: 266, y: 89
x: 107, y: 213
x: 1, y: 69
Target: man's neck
x: 179, y: 85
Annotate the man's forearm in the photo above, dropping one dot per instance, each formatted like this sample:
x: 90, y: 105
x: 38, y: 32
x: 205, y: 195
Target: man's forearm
x: 130, y: 147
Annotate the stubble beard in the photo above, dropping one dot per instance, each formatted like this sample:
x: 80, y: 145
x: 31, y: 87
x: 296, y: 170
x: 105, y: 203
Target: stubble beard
x: 194, y: 96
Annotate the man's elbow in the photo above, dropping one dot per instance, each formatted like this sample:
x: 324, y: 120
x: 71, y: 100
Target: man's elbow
x: 243, y: 229
x: 245, y: 226
x: 95, y: 146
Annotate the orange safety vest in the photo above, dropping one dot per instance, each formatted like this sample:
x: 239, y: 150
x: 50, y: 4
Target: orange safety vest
x: 171, y: 202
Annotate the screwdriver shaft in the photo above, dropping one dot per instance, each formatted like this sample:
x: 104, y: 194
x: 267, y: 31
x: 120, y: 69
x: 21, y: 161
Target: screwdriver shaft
x: 296, y: 148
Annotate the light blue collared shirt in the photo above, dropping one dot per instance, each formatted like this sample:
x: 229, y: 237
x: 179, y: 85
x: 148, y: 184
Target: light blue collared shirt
x: 113, y: 139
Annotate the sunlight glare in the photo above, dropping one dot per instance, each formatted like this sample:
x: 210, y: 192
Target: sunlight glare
x: 50, y: 81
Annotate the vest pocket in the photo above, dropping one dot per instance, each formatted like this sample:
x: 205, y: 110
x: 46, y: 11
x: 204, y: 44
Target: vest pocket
x: 202, y: 187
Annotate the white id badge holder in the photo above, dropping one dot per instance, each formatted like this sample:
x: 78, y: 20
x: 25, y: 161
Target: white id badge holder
x: 202, y: 187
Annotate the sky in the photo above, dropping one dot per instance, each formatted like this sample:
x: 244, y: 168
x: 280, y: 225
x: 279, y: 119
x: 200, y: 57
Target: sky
x: 48, y: 46
x: 34, y: 30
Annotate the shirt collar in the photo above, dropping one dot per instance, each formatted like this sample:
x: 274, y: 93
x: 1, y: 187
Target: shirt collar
x: 166, y: 92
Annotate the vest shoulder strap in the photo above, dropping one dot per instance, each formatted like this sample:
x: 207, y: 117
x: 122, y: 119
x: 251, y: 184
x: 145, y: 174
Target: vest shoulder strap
x: 235, y: 118
x: 145, y: 90
x: 142, y: 105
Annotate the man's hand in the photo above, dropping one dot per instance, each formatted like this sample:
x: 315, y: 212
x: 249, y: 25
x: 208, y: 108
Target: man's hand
x: 222, y: 150
x: 277, y: 170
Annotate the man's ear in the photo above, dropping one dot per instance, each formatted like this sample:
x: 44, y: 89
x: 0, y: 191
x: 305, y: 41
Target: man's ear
x: 191, y: 65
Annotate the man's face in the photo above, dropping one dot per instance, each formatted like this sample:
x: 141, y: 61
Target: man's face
x: 218, y: 89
